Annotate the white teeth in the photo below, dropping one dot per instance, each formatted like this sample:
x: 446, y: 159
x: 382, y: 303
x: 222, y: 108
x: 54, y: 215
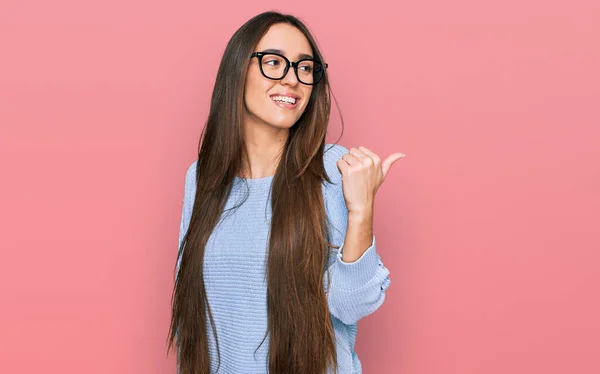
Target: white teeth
x: 285, y: 99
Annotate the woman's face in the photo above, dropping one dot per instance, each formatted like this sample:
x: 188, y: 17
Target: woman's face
x: 263, y: 96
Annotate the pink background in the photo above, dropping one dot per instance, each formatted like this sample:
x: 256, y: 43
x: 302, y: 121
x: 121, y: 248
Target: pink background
x: 490, y: 226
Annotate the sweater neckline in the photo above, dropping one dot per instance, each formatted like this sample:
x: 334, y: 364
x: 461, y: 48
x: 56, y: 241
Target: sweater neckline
x: 256, y: 183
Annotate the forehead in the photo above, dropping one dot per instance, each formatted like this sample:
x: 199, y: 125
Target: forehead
x: 286, y: 38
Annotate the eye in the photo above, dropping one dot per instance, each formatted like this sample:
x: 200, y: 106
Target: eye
x: 272, y: 62
x: 306, y: 66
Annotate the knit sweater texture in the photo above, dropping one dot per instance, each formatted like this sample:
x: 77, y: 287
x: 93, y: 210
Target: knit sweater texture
x: 235, y: 267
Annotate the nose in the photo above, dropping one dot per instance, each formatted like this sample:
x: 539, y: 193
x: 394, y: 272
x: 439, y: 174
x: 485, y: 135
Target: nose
x: 290, y: 77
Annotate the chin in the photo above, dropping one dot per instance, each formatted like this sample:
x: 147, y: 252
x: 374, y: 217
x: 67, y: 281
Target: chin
x: 283, y: 122
x: 283, y: 125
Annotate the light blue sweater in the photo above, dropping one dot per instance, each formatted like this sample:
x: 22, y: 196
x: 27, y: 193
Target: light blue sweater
x: 234, y: 263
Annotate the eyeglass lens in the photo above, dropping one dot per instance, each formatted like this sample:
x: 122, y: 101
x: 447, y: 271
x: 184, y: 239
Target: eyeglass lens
x: 274, y: 66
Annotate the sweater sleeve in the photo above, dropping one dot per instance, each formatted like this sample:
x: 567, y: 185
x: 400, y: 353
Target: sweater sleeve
x: 357, y: 288
x: 186, y: 211
x: 189, y: 192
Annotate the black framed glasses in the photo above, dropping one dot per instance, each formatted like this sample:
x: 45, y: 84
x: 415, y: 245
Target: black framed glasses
x: 275, y: 66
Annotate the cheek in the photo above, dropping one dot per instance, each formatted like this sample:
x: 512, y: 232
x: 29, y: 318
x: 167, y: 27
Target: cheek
x: 306, y: 94
x: 256, y: 92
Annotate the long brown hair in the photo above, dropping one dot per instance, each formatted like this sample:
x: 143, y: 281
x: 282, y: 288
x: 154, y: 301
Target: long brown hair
x: 302, y: 338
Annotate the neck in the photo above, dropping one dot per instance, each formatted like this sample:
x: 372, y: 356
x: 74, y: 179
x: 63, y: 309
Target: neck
x: 263, y: 150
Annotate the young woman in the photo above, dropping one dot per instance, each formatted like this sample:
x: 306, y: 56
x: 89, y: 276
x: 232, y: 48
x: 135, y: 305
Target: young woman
x: 277, y: 259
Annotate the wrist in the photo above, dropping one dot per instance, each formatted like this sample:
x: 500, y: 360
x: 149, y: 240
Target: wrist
x: 360, y: 216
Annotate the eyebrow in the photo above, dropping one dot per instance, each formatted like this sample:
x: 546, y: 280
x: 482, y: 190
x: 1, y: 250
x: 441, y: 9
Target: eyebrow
x: 273, y: 50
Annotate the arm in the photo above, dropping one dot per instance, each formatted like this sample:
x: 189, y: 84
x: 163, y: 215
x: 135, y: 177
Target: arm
x: 359, y: 279
x: 186, y: 214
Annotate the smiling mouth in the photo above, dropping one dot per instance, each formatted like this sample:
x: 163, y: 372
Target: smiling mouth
x: 285, y: 100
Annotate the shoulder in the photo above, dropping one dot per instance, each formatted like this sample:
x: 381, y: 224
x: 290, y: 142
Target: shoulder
x: 335, y: 150
x: 335, y: 205
x: 331, y: 155
x: 190, y: 179
x: 191, y: 170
